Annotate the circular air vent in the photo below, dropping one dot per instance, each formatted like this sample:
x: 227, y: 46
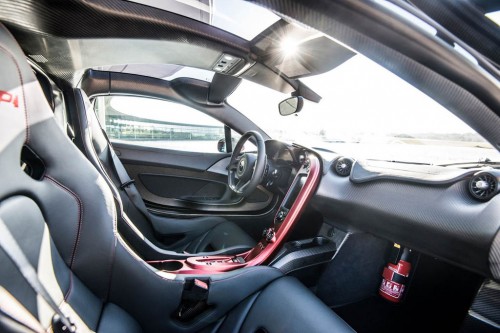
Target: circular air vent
x: 483, y: 186
x: 343, y: 166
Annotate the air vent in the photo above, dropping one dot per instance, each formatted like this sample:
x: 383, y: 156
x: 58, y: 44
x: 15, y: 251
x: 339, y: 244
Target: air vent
x: 343, y: 166
x: 483, y: 186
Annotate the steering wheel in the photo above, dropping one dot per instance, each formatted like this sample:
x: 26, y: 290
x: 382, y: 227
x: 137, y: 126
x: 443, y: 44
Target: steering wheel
x: 246, y: 170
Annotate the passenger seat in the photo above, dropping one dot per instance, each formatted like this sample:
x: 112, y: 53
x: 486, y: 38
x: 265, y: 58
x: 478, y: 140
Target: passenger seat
x: 202, y: 235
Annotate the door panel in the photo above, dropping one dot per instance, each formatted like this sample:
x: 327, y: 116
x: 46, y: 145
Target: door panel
x: 136, y: 154
x: 186, y: 188
x: 173, y: 181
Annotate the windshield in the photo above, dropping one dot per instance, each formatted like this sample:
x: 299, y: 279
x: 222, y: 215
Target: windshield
x: 366, y: 112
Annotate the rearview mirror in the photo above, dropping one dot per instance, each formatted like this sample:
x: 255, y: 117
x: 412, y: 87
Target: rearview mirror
x: 291, y: 105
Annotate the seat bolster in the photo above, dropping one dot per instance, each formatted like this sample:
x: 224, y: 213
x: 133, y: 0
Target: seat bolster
x: 164, y: 225
x: 203, y: 234
x: 224, y: 235
x: 284, y: 306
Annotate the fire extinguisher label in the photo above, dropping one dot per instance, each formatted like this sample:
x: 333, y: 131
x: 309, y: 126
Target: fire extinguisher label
x: 392, y: 289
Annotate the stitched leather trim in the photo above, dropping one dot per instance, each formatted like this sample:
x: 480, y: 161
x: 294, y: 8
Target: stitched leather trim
x: 80, y: 217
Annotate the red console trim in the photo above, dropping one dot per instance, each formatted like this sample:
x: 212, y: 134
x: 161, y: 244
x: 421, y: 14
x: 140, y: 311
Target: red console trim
x: 198, y: 265
x: 263, y: 251
x: 266, y: 247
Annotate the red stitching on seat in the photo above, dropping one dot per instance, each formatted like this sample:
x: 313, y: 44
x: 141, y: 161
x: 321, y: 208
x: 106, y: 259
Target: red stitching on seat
x: 80, y: 217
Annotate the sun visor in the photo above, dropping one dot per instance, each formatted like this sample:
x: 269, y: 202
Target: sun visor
x: 298, y: 52
x: 221, y: 87
x: 316, y: 56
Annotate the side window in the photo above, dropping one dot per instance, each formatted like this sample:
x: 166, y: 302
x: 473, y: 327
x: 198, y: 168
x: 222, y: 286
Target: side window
x: 160, y: 124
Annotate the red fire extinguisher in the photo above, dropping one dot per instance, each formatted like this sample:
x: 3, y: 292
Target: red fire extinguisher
x: 395, y: 275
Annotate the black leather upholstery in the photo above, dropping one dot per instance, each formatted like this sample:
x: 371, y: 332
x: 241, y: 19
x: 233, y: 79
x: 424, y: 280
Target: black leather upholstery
x: 65, y: 223
x: 25, y: 221
x: 60, y: 202
x: 198, y: 235
x: 287, y: 315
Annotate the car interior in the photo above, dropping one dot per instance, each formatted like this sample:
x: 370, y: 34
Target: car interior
x: 158, y: 170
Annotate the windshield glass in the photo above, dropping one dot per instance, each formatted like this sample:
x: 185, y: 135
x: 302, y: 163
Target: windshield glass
x: 366, y: 112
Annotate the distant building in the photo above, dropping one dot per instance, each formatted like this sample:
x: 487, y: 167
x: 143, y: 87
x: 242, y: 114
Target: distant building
x: 122, y: 126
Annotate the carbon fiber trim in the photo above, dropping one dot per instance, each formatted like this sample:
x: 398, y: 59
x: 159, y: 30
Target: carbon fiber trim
x: 304, y: 253
x: 89, y: 30
x: 440, y: 220
x: 495, y: 259
x: 487, y: 302
x: 480, y: 34
x: 84, y: 19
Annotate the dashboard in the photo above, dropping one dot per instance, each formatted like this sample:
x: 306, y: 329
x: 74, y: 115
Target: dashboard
x: 447, y: 212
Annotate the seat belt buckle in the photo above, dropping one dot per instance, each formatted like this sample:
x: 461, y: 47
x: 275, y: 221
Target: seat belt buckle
x: 194, y: 300
x: 58, y: 325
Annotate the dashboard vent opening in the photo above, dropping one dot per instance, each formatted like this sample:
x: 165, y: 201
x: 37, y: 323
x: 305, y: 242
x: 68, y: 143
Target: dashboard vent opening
x: 342, y: 166
x: 483, y: 186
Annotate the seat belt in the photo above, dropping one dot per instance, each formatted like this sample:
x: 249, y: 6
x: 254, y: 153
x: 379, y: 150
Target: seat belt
x: 60, y: 323
x: 123, y: 177
x: 125, y: 181
x: 11, y: 311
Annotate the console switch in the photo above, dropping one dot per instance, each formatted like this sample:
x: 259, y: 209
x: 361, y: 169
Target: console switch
x: 238, y: 260
x: 280, y: 217
x: 268, y: 234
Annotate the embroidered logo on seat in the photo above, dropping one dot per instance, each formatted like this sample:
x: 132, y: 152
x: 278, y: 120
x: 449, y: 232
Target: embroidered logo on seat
x: 6, y: 97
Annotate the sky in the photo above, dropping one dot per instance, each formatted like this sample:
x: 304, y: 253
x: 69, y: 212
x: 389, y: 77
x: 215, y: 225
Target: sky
x: 358, y: 96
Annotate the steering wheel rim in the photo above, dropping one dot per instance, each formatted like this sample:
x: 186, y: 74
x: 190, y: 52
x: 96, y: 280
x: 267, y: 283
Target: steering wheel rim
x: 242, y: 179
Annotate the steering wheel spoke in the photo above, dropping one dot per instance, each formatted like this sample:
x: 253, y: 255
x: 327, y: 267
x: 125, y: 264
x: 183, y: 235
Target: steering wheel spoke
x: 234, y: 164
x: 241, y: 185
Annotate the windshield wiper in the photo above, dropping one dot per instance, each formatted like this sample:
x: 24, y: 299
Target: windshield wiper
x: 396, y: 161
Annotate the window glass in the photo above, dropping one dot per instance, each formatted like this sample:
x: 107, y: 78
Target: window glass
x: 240, y: 18
x: 367, y: 112
x: 158, y: 123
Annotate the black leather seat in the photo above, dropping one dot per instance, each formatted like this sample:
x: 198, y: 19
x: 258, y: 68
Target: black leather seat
x: 139, y: 227
x: 63, y: 217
